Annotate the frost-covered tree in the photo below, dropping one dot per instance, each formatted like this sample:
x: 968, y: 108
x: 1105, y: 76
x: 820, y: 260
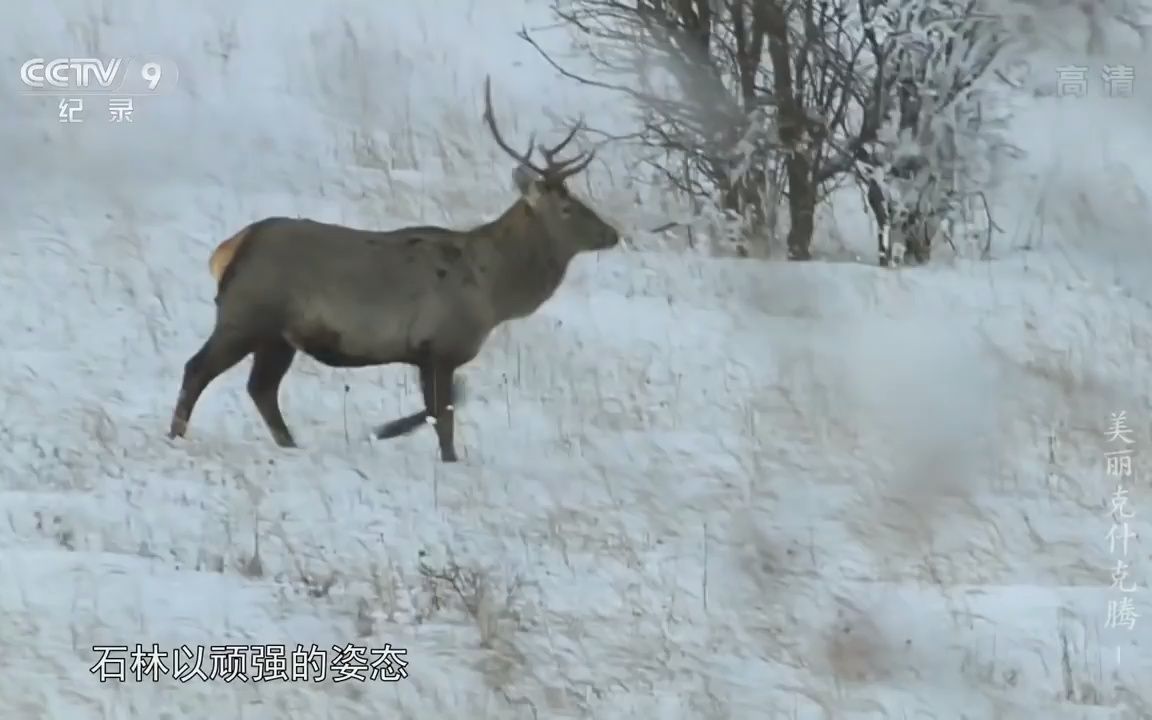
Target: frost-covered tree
x: 939, y: 127
x: 745, y: 101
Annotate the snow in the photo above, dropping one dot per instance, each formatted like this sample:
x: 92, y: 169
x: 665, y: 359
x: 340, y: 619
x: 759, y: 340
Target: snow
x: 691, y: 487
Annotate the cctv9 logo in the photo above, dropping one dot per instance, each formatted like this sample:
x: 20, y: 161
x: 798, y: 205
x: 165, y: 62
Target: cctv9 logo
x: 96, y: 76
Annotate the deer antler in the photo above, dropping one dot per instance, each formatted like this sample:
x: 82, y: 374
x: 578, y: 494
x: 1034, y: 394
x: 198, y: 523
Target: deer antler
x: 561, y: 169
x: 550, y: 153
x: 554, y: 171
x: 523, y: 158
x: 565, y: 169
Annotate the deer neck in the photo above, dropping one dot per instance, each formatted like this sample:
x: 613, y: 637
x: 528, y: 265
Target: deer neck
x: 527, y: 262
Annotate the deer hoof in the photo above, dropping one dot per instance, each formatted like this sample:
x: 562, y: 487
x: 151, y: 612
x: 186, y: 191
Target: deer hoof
x: 178, y: 428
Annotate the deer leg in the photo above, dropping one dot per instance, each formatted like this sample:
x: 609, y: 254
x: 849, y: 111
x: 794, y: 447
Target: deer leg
x: 436, y: 382
x: 220, y: 352
x: 401, y: 426
x: 270, y: 362
x: 409, y: 423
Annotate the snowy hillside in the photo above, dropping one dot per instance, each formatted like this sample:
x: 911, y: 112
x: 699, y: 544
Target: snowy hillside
x: 690, y: 487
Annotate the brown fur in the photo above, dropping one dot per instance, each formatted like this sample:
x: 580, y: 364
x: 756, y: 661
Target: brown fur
x: 225, y: 253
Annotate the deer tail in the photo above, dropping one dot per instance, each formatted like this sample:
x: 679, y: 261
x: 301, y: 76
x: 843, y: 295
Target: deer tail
x: 225, y: 253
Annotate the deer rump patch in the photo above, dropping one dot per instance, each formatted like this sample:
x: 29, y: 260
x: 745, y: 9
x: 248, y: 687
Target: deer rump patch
x: 225, y: 253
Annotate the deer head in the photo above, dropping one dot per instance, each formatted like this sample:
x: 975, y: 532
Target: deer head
x: 543, y: 189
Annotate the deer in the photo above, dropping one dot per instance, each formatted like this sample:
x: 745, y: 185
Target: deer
x: 421, y: 296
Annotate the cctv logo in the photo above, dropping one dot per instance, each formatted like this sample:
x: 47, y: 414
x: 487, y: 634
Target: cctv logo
x: 70, y: 73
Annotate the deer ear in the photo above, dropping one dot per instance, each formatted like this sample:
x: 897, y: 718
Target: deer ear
x: 528, y: 183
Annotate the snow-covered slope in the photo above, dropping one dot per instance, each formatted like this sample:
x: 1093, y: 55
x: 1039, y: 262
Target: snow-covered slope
x: 691, y: 487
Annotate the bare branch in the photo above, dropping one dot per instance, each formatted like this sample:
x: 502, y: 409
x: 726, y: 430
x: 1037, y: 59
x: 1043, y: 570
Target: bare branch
x: 735, y: 96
